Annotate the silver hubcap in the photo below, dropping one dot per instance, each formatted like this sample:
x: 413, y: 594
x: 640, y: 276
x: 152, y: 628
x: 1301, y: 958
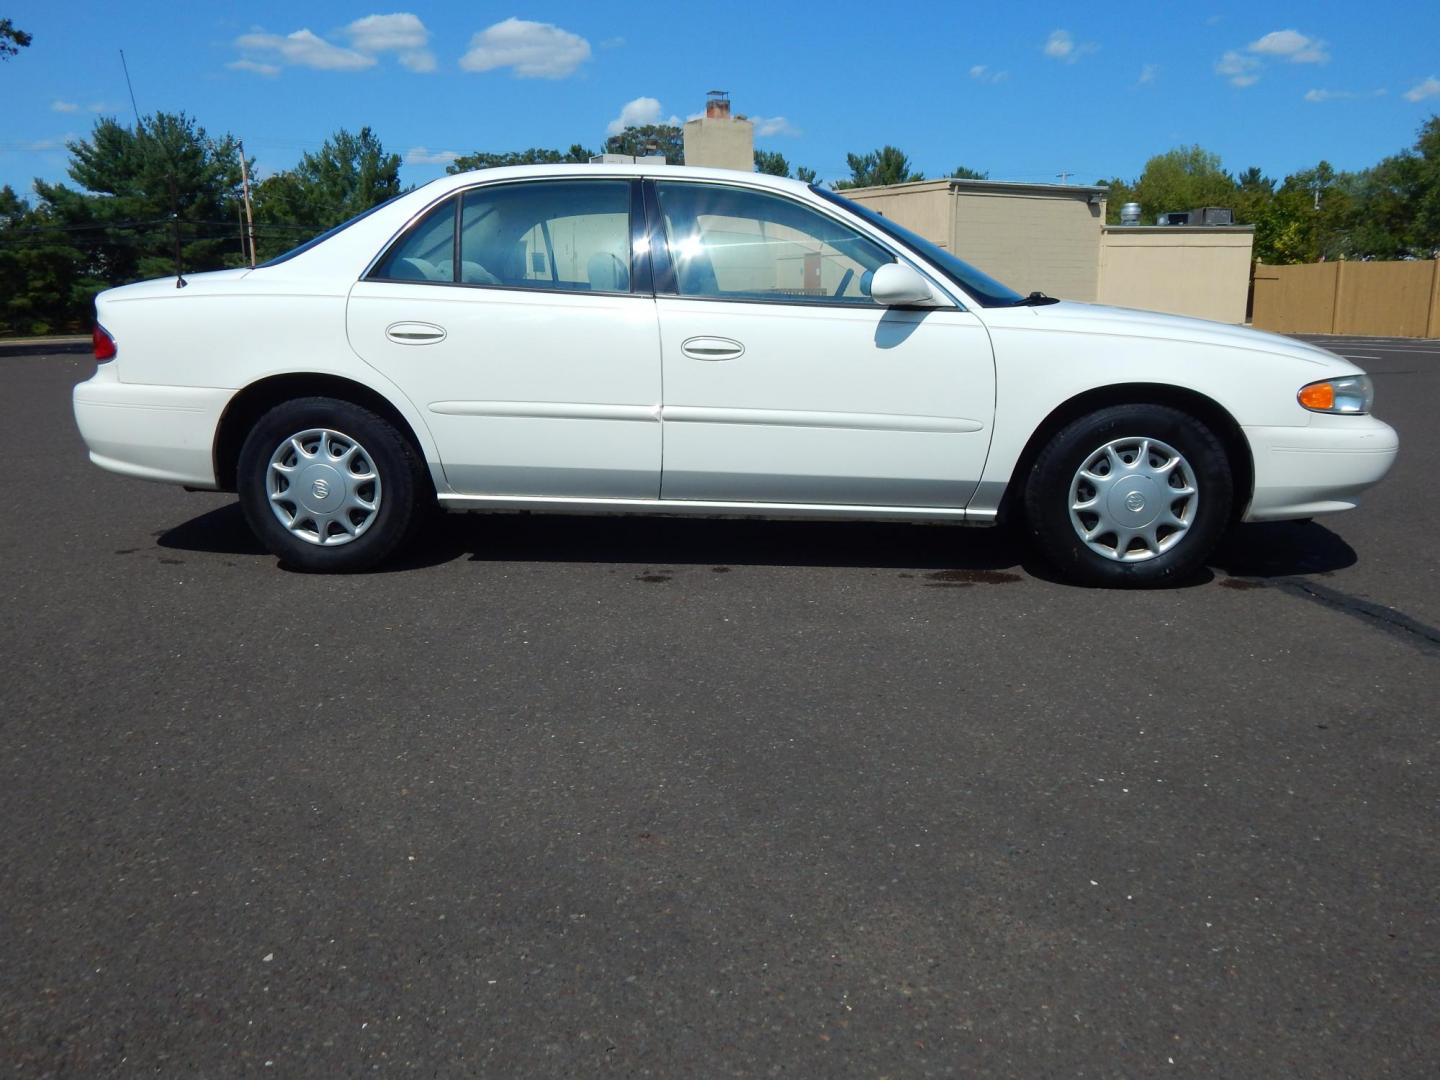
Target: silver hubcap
x: 323, y: 487
x: 1133, y: 499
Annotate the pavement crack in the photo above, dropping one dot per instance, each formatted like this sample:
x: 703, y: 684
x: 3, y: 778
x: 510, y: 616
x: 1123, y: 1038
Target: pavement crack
x: 1387, y: 620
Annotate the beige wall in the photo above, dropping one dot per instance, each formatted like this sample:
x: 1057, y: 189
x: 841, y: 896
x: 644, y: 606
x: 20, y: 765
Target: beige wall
x: 1388, y: 299
x: 1204, y: 272
x: 720, y: 143
x: 1032, y: 241
x: 1041, y: 236
x: 1044, y: 239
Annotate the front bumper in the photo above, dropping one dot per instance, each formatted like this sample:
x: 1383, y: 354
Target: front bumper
x: 1301, y: 472
x: 164, y: 433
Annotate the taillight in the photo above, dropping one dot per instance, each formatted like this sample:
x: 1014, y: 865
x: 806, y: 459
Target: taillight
x: 104, y: 343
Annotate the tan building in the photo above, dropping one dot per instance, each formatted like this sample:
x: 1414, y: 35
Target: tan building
x: 718, y: 140
x: 1053, y: 238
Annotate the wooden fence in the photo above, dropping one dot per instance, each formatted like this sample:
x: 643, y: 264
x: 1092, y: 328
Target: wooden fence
x: 1380, y: 299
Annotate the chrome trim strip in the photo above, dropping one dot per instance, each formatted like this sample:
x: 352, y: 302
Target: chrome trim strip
x: 698, y: 414
x: 546, y: 410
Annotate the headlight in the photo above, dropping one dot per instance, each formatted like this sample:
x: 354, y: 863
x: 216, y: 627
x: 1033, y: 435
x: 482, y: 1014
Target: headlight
x: 1351, y: 394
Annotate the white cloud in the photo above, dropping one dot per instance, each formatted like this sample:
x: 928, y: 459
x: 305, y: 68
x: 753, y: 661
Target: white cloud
x: 64, y: 106
x: 420, y: 155
x: 984, y: 74
x: 304, y: 49
x: 1291, y: 45
x: 533, y: 50
x: 57, y: 142
x: 388, y: 33
x: 253, y: 65
x: 1424, y: 89
x: 1147, y: 74
x: 1061, y: 45
x: 1318, y: 96
x: 766, y: 126
x: 1240, y: 69
x: 641, y: 112
x: 401, y: 33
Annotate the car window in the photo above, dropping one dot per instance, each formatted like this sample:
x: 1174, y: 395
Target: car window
x: 750, y: 245
x: 426, y: 252
x: 571, y: 235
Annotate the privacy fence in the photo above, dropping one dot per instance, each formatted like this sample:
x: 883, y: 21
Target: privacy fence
x: 1383, y: 299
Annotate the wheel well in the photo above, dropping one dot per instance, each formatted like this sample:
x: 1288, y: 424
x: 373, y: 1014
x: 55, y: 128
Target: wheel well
x: 253, y: 402
x: 1206, y: 410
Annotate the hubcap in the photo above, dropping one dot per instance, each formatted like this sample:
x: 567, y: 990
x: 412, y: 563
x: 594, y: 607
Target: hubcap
x: 1133, y: 499
x: 323, y: 487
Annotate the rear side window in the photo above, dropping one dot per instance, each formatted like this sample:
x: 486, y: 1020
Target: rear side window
x: 566, y: 235
x: 426, y: 252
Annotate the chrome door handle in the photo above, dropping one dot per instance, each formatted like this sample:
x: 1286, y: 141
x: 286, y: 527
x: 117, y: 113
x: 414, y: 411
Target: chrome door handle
x: 415, y: 333
x: 712, y: 348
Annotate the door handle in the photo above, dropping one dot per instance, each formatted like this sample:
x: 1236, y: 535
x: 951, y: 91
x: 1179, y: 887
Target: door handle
x: 415, y: 333
x: 712, y: 348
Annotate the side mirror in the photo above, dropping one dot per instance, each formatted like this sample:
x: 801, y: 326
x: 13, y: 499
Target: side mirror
x: 896, y: 285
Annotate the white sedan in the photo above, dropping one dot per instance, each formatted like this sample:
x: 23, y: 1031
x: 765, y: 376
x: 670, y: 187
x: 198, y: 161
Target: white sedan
x: 629, y: 339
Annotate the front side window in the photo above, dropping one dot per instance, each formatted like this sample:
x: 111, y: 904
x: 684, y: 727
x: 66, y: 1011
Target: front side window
x: 570, y: 235
x: 738, y: 244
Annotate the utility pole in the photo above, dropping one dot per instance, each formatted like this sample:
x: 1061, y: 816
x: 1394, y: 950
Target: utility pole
x: 245, y: 190
x: 1064, y: 177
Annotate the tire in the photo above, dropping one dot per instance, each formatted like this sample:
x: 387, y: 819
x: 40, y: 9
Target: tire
x: 357, y: 485
x: 1104, y: 517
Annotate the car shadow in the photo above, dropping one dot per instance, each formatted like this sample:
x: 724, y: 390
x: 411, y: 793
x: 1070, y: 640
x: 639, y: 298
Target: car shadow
x: 1281, y: 549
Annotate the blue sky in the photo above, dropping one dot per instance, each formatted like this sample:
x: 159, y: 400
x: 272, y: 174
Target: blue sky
x: 1026, y: 91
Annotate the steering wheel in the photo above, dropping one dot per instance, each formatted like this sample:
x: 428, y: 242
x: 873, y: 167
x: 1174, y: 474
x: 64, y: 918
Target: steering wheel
x: 844, y: 283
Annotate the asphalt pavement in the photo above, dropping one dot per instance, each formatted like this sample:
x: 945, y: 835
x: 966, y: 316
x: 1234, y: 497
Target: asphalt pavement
x: 566, y: 796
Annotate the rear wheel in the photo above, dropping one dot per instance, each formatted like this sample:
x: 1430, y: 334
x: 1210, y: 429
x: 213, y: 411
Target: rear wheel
x: 1129, y: 496
x: 328, y: 485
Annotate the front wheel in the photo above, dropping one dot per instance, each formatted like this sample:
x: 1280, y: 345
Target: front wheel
x: 1130, y: 496
x: 328, y: 485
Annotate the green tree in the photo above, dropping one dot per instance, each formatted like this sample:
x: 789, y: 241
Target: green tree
x: 12, y: 39
x: 481, y: 159
x: 1120, y: 192
x: 134, y: 186
x: 805, y: 175
x: 961, y: 172
x: 350, y: 173
x: 1182, y: 179
x: 665, y: 139
x: 888, y: 165
x: 772, y: 163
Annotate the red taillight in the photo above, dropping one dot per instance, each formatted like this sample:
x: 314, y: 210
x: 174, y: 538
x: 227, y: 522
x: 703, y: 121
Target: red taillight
x: 104, y: 343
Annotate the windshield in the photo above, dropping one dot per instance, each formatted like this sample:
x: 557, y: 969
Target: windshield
x: 980, y: 285
x: 328, y: 233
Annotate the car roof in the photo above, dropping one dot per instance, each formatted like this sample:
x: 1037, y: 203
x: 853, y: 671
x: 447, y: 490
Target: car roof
x: 583, y: 170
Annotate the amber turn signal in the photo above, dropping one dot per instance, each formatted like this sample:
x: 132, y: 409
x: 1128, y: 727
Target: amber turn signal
x: 1319, y: 396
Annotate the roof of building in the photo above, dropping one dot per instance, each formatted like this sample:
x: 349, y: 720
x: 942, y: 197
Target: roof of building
x: 995, y: 187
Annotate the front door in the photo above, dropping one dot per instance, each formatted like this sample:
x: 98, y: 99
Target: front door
x: 509, y: 315
x: 786, y: 383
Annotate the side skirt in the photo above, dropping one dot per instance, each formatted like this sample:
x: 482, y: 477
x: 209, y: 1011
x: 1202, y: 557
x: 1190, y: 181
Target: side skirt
x: 682, y: 508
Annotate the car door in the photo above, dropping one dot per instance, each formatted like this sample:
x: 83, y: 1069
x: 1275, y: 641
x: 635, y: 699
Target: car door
x: 784, y: 382
x: 512, y: 317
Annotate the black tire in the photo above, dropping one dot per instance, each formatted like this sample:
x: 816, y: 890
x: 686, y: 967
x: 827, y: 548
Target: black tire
x: 1048, y: 490
x: 403, y: 486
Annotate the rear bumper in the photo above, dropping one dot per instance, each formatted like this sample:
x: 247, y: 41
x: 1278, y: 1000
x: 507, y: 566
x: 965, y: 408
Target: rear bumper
x: 164, y: 433
x: 1301, y: 472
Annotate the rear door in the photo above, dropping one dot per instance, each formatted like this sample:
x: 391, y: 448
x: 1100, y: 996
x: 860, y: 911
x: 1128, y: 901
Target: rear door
x: 514, y: 317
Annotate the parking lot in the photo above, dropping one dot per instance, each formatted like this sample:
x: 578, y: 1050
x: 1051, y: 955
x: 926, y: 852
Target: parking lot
x: 587, y: 796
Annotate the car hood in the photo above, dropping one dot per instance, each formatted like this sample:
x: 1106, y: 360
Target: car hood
x: 1127, y: 322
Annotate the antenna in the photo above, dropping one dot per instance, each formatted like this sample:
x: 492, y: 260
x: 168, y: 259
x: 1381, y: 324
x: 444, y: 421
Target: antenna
x: 180, y: 281
x: 135, y: 108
